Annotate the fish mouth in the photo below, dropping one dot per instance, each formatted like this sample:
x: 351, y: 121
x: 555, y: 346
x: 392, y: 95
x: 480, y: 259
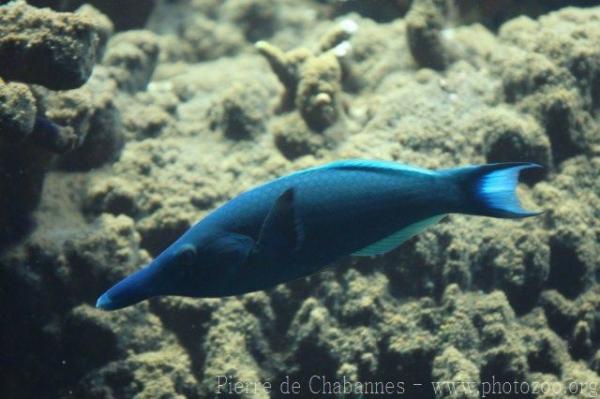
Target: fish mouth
x: 134, y: 288
x: 105, y: 302
x: 109, y: 301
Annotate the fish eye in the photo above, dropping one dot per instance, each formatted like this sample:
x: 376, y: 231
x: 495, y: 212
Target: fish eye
x: 186, y: 255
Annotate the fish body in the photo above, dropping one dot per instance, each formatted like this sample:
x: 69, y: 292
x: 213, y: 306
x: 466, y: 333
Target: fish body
x: 298, y: 224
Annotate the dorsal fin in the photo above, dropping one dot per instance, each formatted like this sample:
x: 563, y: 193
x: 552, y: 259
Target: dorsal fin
x: 363, y: 164
x: 393, y: 241
x: 366, y: 164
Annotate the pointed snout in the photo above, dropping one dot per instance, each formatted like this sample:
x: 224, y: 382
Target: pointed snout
x: 135, y: 288
x: 105, y: 303
x: 110, y: 301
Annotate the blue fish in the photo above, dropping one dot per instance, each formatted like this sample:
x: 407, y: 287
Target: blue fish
x: 296, y: 225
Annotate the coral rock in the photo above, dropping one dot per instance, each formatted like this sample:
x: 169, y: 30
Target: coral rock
x: 91, y: 111
x: 131, y: 58
x: 105, y: 254
x: 56, y: 50
x: 319, y: 89
x: 240, y: 112
x: 508, y: 137
x: 424, y: 23
x: 452, y: 366
x: 294, y: 138
x: 17, y: 113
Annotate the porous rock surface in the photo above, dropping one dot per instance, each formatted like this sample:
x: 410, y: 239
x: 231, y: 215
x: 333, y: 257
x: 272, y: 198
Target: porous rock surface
x: 57, y: 50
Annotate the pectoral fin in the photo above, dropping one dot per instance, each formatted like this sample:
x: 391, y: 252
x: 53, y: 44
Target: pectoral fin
x: 282, y: 231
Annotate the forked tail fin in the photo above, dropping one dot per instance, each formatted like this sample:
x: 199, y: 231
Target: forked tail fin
x: 490, y: 190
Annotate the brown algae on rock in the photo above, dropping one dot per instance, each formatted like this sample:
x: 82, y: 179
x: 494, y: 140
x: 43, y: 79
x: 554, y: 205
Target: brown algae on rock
x: 113, y: 142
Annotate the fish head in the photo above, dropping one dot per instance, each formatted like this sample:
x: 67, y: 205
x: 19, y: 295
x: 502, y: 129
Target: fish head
x: 196, y: 267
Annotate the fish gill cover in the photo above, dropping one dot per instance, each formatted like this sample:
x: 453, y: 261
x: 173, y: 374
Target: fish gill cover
x: 117, y: 134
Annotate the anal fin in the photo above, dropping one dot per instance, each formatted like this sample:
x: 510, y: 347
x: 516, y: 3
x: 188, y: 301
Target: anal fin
x: 394, y: 240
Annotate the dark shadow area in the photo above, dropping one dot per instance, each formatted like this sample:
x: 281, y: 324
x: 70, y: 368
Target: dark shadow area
x: 413, y: 374
x: 125, y: 14
x: 35, y: 356
x: 567, y: 272
x: 377, y: 10
x: 493, y: 13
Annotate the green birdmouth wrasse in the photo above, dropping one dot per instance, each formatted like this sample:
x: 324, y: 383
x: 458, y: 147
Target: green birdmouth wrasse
x: 296, y: 225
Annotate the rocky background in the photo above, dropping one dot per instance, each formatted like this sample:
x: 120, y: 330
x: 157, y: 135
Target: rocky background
x: 123, y: 122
